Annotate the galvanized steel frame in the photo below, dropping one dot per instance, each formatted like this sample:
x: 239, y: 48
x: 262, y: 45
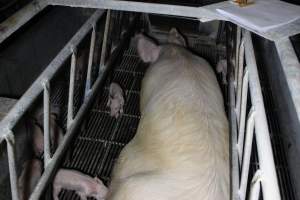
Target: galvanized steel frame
x: 266, y: 175
x: 243, y: 140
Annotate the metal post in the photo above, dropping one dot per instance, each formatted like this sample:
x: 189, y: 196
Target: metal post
x: 104, y: 43
x: 234, y: 152
x: 90, y: 63
x: 47, y: 151
x: 10, y: 141
x: 237, y: 48
x: 71, y: 88
x: 255, y: 186
x: 247, y: 154
x: 241, y: 127
x: 240, y: 78
x: 21, y: 17
x: 265, y: 155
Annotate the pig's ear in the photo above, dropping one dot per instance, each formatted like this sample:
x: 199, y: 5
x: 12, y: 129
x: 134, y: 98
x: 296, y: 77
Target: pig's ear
x: 176, y: 38
x: 148, y: 50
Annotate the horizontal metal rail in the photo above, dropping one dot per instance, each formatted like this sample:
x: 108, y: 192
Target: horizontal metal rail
x: 204, y: 13
x: 20, y: 18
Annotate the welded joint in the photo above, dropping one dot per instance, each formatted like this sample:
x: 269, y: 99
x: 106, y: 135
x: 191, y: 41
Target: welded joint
x: 255, y: 185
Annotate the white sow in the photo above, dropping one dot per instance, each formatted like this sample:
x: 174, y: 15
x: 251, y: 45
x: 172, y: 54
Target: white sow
x: 181, y: 149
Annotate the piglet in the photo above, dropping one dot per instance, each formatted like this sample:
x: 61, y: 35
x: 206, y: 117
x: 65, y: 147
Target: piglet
x: 115, y: 100
x: 84, y: 185
x: 31, y: 173
x: 36, y: 129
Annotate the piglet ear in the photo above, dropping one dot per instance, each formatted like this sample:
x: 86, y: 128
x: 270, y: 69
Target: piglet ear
x: 176, y: 38
x: 148, y: 50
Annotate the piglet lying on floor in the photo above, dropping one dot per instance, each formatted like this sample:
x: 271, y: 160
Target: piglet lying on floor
x: 115, y: 100
x: 84, y: 185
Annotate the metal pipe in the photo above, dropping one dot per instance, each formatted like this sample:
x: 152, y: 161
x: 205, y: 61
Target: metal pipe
x: 184, y: 11
x: 240, y: 78
x: 74, y: 127
x: 241, y: 127
x: 90, y: 62
x: 47, y: 151
x: 16, y: 113
x: 247, y: 154
x: 104, y: 42
x: 255, y: 186
x: 10, y: 141
x: 237, y: 53
x: 291, y: 68
x: 234, y: 153
x: 71, y: 88
x: 265, y: 155
x: 21, y: 17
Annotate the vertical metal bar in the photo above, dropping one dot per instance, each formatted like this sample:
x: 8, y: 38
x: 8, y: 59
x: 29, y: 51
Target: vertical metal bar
x: 234, y: 151
x: 71, y: 88
x: 247, y: 154
x: 10, y: 141
x: 237, y: 48
x: 241, y: 126
x: 104, y: 43
x: 90, y: 63
x: 269, y: 181
x: 255, y: 186
x: 47, y: 151
x: 240, y: 79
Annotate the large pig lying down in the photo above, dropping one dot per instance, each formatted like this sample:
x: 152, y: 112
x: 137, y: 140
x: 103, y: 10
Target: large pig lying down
x: 181, y: 149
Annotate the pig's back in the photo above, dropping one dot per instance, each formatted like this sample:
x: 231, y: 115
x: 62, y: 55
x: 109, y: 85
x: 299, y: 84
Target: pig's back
x: 182, y: 138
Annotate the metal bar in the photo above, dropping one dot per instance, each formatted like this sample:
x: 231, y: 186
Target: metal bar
x: 247, y: 154
x: 104, y: 42
x: 175, y: 10
x: 291, y: 68
x: 13, y: 23
x: 15, y: 114
x: 90, y: 62
x: 47, y: 151
x: 240, y: 78
x: 255, y: 186
x: 73, y: 129
x: 237, y: 51
x: 241, y: 127
x: 204, y: 13
x: 10, y: 141
x: 71, y: 88
x: 265, y: 155
x: 234, y: 153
